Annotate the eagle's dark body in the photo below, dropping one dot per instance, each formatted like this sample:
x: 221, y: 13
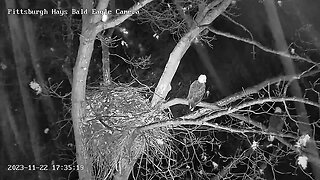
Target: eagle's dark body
x: 196, y: 93
x: 276, y: 123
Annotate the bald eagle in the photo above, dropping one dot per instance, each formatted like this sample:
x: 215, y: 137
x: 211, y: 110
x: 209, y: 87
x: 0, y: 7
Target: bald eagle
x: 196, y: 91
x: 276, y: 123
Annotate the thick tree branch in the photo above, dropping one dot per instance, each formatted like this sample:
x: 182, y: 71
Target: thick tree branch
x: 102, y: 5
x: 180, y: 49
x: 118, y: 20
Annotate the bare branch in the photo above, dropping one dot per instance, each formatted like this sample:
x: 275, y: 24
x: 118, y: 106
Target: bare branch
x: 237, y: 96
x: 260, y: 101
x: 260, y: 46
x: 216, y: 126
x: 118, y: 20
x: 257, y: 88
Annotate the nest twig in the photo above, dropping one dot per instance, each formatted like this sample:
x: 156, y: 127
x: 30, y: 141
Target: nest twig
x: 112, y: 115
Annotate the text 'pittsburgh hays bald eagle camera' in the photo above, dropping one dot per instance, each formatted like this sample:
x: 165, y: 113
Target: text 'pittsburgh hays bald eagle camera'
x: 197, y: 91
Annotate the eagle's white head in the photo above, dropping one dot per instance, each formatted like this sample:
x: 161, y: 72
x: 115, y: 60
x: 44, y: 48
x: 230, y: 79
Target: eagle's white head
x: 278, y: 110
x: 202, y: 78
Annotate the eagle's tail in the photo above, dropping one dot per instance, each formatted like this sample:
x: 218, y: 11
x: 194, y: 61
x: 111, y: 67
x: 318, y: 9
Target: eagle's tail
x: 192, y: 105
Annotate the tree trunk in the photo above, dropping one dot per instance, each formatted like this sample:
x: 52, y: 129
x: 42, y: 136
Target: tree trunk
x: 11, y: 137
x: 106, y: 74
x: 172, y: 65
x: 80, y: 73
x: 289, y: 68
x: 91, y: 26
x: 18, y: 43
x: 46, y: 101
x: 7, y: 115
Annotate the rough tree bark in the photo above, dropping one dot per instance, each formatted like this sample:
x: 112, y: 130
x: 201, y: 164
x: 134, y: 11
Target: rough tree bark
x: 289, y: 68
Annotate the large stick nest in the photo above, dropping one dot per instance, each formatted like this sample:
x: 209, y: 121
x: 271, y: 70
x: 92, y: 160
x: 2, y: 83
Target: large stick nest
x: 112, y: 114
